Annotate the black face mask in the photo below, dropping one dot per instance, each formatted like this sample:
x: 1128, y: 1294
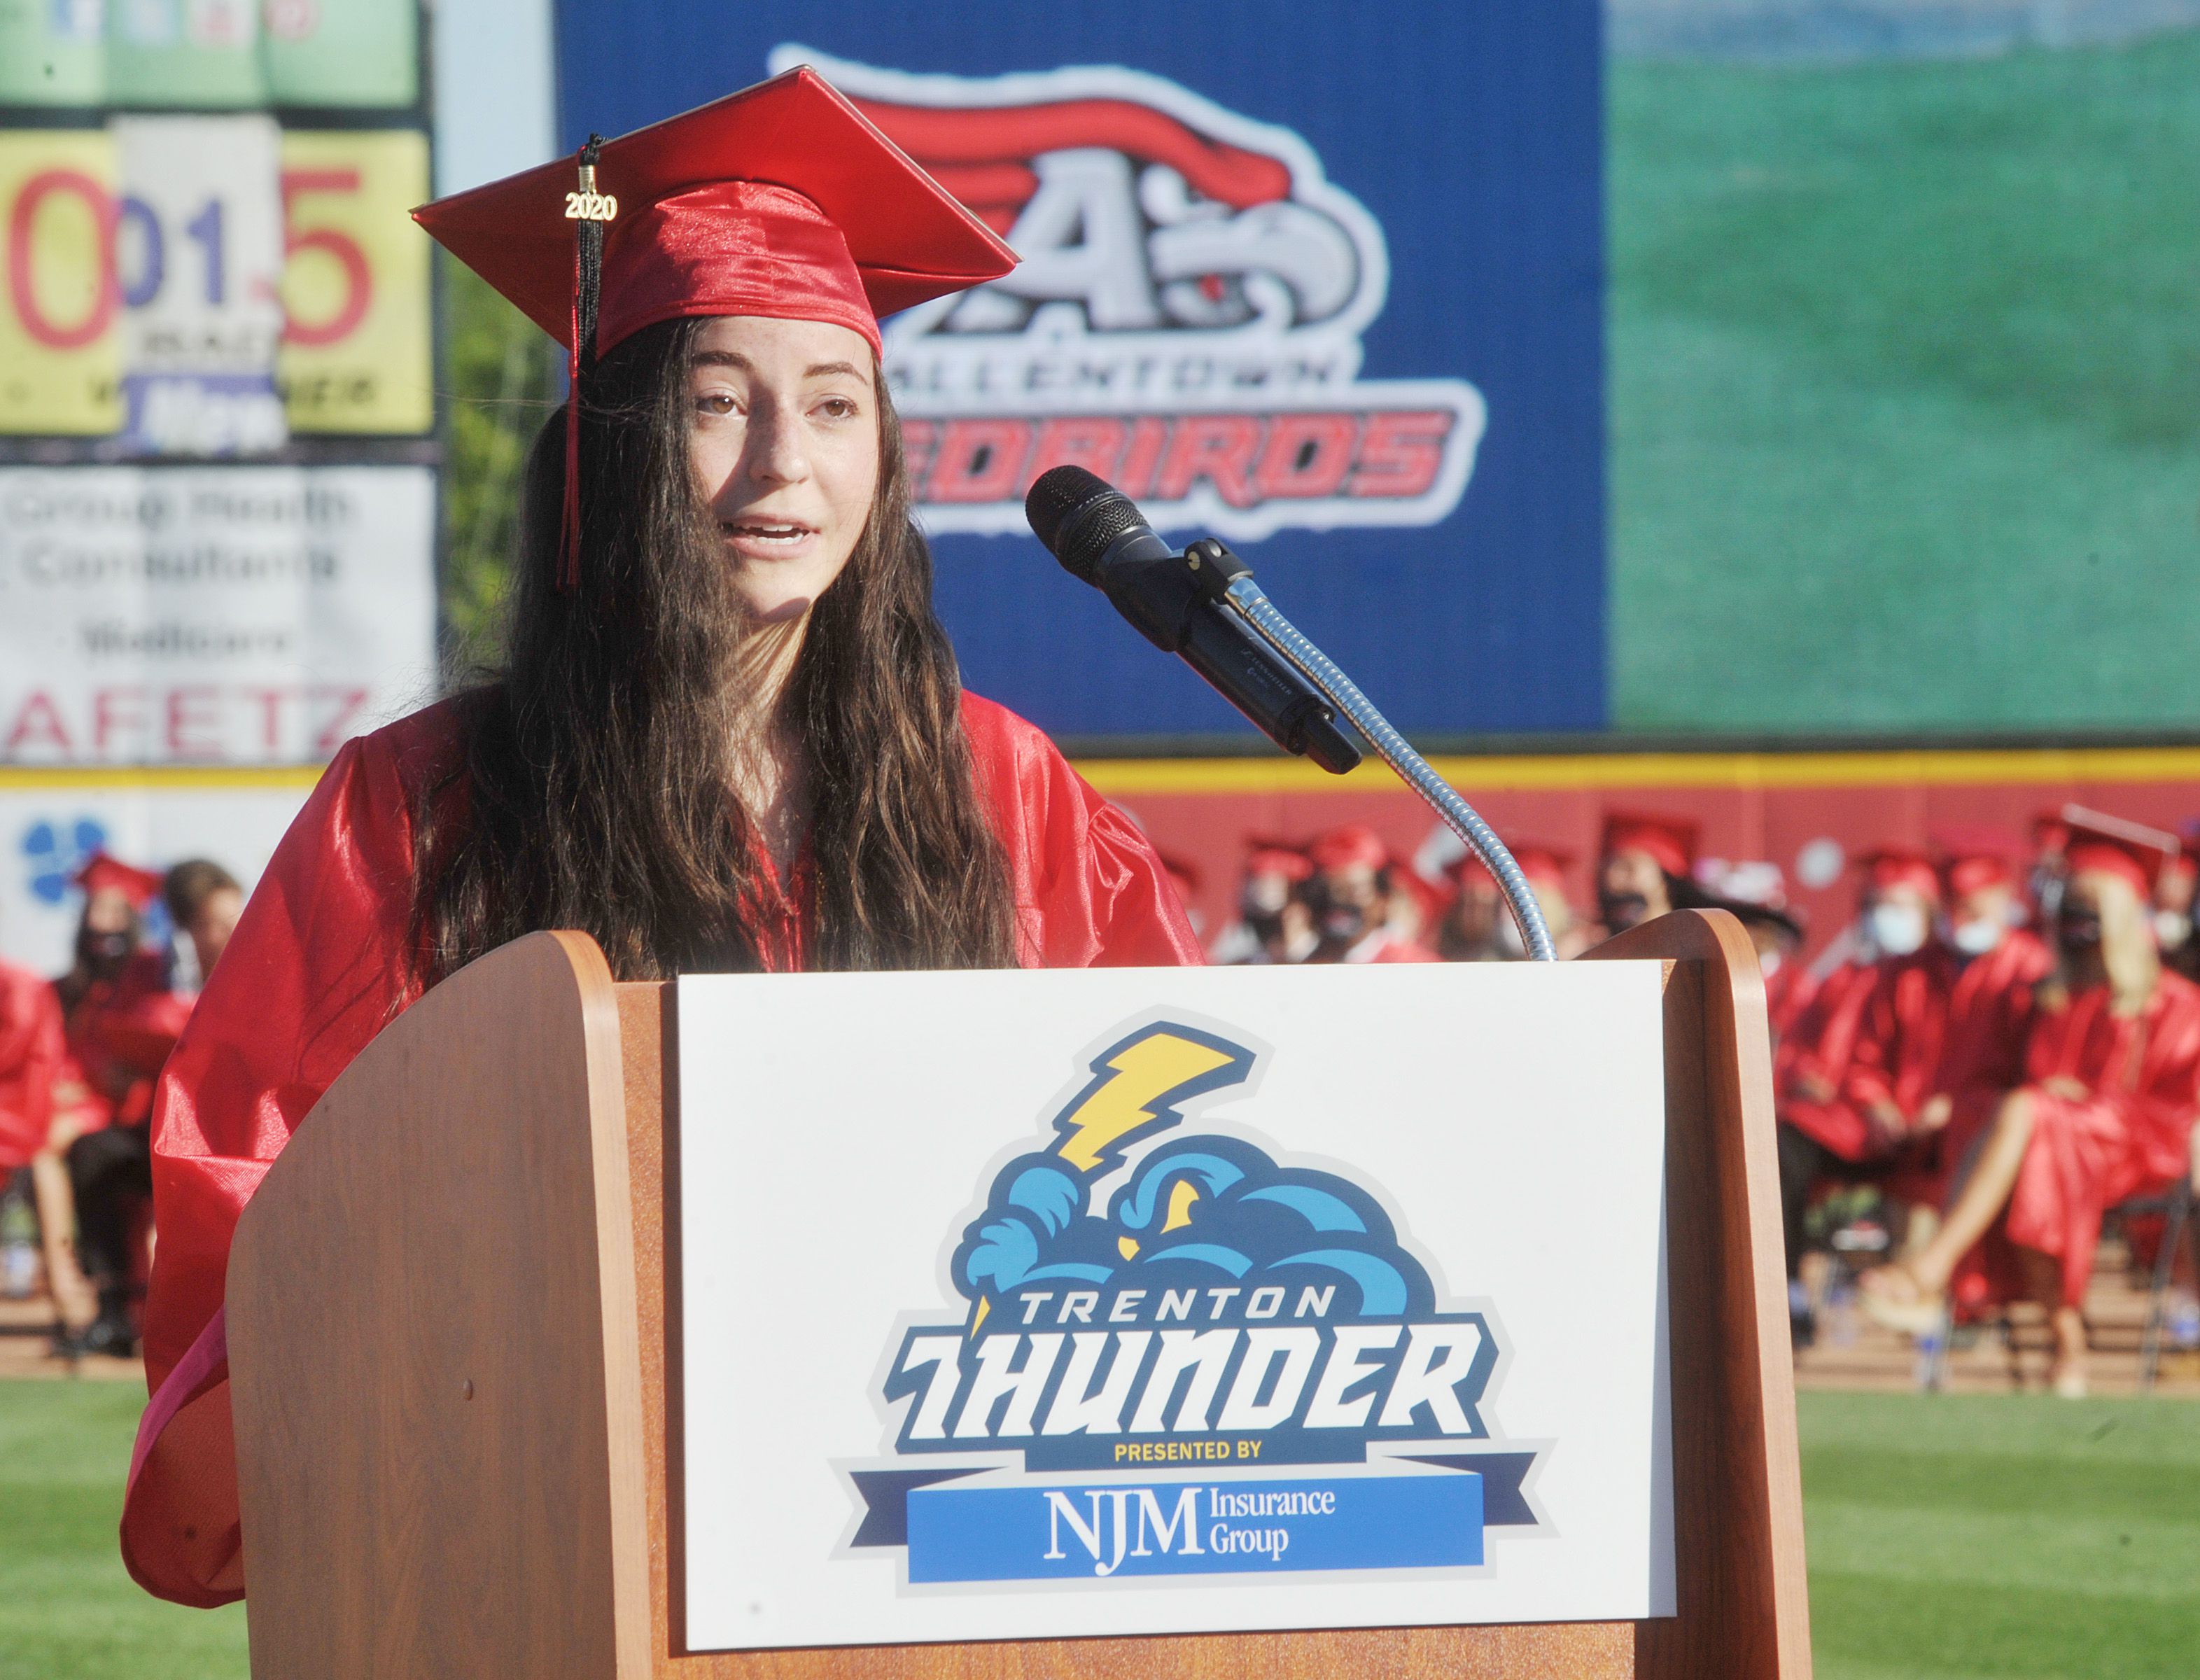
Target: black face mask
x: 1338, y: 923
x: 2079, y: 933
x: 1621, y: 911
x: 104, y: 953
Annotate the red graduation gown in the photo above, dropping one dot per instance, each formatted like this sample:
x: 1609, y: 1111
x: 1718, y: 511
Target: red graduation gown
x: 318, y: 965
x: 1982, y: 1048
x: 32, y: 1051
x: 1870, y: 1031
x: 120, y: 1034
x: 2130, y: 1136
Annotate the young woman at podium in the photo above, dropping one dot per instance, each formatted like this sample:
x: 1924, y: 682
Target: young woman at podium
x: 729, y: 733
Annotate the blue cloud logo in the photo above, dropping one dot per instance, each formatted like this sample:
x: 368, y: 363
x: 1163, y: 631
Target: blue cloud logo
x: 53, y: 852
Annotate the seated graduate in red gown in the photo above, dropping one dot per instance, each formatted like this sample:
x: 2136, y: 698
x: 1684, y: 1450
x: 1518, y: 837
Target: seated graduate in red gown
x: 729, y: 733
x: 1349, y: 894
x: 1859, y: 1064
x: 121, y: 1018
x: 32, y: 1051
x: 2108, y: 1107
x: 1645, y: 867
x: 1993, y: 962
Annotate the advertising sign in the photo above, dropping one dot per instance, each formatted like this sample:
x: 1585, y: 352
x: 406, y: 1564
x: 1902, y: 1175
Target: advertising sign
x: 357, y: 354
x: 199, y: 257
x: 209, y: 53
x: 61, y: 357
x: 166, y: 278
x: 1185, y: 321
x: 210, y: 615
x: 1329, y: 290
x: 51, y: 825
x: 1148, y: 1302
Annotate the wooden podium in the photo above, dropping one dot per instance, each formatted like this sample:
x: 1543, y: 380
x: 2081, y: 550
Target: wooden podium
x: 455, y: 1368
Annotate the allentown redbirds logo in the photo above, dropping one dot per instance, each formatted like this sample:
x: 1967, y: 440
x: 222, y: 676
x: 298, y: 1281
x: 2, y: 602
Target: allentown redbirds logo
x: 1185, y: 321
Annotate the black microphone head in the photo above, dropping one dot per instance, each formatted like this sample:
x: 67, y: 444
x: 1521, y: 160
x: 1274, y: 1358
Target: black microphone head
x: 1078, y: 515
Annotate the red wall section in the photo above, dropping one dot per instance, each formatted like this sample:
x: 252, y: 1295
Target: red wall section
x: 1751, y: 805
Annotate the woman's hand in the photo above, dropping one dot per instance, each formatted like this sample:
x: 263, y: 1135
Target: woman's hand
x: 1815, y: 1088
x: 2062, y: 1086
x: 1939, y: 1109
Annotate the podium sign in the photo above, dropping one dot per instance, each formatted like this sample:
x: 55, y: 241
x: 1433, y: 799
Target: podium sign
x: 1026, y: 1305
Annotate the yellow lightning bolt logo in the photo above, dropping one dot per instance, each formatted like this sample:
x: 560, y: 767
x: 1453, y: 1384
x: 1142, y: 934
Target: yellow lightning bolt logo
x: 1132, y: 1086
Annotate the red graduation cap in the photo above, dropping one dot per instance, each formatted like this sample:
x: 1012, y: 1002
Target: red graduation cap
x: 1974, y: 857
x: 1669, y: 842
x: 2132, y: 850
x: 1886, y: 866
x: 1273, y: 858
x: 1352, y: 845
x: 782, y: 200
x: 1545, y: 865
x: 103, y: 874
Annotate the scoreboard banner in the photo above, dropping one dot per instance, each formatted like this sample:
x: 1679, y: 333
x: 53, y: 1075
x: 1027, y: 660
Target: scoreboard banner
x: 1146, y: 1303
x: 1329, y: 290
x: 211, y: 615
x: 168, y: 276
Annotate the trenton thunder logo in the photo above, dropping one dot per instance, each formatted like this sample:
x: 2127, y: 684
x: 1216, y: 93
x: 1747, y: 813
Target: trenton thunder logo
x: 1179, y: 1356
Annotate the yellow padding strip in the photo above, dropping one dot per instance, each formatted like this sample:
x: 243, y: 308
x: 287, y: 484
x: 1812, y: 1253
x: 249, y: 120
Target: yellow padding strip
x: 1492, y: 773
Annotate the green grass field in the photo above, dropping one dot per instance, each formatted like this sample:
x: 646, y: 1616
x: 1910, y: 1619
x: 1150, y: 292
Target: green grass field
x: 2023, y: 1538
x: 1906, y: 388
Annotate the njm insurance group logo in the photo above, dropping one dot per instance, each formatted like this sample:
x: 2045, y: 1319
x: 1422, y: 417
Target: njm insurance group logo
x: 1186, y: 320
x: 1178, y: 1355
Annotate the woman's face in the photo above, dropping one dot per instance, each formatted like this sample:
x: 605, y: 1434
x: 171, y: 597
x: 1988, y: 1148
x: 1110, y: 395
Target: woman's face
x: 783, y: 438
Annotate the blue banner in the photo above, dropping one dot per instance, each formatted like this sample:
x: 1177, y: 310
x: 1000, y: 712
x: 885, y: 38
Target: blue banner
x: 1027, y: 1533
x: 1325, y: 282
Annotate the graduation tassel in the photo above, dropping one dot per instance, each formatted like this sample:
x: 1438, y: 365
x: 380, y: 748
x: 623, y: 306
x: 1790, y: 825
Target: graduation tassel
x: 587, y: 210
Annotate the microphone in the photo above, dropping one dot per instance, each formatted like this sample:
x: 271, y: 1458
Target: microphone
x: 1176, y: 602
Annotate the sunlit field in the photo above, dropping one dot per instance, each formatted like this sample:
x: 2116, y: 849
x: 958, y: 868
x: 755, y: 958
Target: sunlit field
x: 2024, y: 1538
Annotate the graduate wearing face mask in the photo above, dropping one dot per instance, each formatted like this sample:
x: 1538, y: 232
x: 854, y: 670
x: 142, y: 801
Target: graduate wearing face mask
x: 120, y: 1020
x: 1995, y: 964
x: 1858, y: 1068
x: 2105, y: 1109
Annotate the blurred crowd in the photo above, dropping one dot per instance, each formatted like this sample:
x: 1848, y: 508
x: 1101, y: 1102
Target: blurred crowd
x: 1999, y: 1051
x: 2002, y: 1047
x: 79, y: 1056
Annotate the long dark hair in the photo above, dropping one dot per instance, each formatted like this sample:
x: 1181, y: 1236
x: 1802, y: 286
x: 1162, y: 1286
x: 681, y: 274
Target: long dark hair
x: 593, y: 792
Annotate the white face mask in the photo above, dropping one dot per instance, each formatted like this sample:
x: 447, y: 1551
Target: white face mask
x: 1768, y: 963
x: 2171, y: 927
x: 1898, y: 930
x: 1975, y: 939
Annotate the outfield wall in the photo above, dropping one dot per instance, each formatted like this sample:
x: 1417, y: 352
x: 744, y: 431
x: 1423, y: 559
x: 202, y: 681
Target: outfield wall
x: 1808, y: 812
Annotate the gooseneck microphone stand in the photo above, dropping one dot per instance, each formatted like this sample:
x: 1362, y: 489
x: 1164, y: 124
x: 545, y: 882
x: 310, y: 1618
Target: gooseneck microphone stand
x: 1229, y: 580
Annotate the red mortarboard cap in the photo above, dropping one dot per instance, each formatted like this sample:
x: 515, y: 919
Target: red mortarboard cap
x: 1885, y: 866
x: 1542, y: 864
x: 2130, y: 850
x: 1670, y: 842
x: 1354, y: 846
x: 1274, y: 857
x: 782, y: 200
x: 103, y: 874
x: 1974, y: 857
